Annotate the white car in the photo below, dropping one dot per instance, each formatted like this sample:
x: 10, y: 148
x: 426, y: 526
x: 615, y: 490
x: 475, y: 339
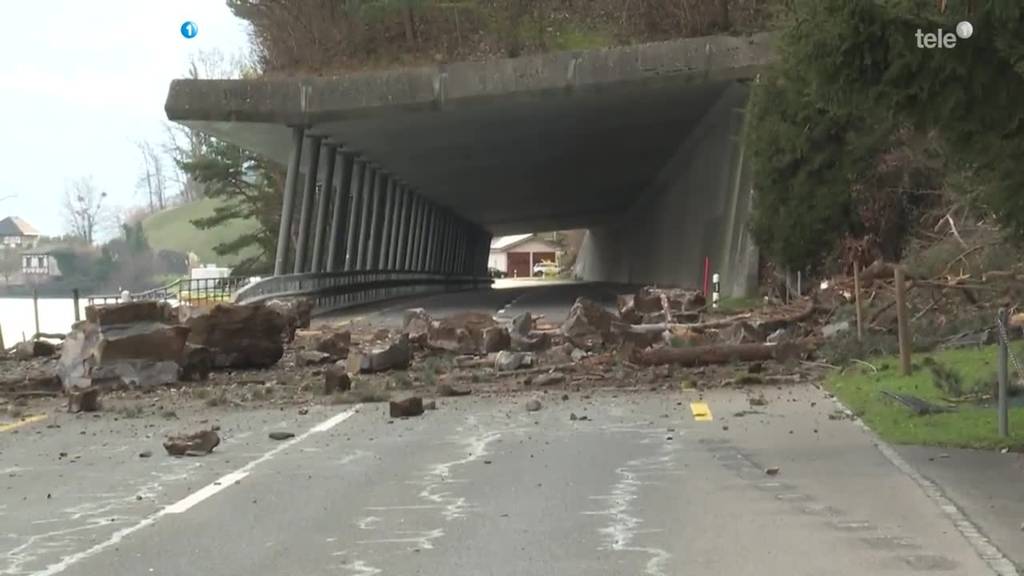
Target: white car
x: 542, y: 269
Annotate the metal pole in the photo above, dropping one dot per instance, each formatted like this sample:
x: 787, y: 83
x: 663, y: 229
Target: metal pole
x: 306, y: 216
x: 78, y: 312
x: 369, y: 176
x: 857, y: 303
x: 336, y: 241
x: 376, y: 215
x: 291, y: 183
x: 327, y: 192
x: 901, y: 319
x: 1004, y: 376
x: 35, y: 309
x: 359, y: 168
x: 403, y: 229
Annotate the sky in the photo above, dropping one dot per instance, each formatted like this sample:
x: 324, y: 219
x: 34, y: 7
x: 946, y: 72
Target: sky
x: 81, y: 83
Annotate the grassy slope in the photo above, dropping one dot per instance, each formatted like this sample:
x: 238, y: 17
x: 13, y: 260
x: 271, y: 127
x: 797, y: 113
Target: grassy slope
x: 172, y: 230
x: 970, y: 426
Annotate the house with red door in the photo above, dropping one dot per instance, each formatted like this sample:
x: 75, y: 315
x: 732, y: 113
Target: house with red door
x: 518, y: 256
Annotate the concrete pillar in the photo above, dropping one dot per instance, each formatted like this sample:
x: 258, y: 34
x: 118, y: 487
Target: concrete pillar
x: 327, y: 192
x: 306, y: 216
x: 339, y: 213
x: 352, y: 242
x: 389, y: 223
x: 446, y: 262
x: 421, y: 233
x: 428, y: 235
x: 396, y: 199
x: 460, y: 253
x: 414, y: 238
x: 403, y: 229
x: 376, y: 222
x: 369, y: 175
x: 291, y: 183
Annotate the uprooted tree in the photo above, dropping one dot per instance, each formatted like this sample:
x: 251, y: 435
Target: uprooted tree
x: 857, y: 126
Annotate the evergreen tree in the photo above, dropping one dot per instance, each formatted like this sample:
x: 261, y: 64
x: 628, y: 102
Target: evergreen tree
x: 250, y: 188
x: 850, y: 80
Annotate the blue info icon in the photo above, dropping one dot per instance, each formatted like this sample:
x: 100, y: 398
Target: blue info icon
x: 189, y: 29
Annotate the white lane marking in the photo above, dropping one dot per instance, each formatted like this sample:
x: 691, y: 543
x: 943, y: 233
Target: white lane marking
x: 191, y: 500
x: 203, y: 493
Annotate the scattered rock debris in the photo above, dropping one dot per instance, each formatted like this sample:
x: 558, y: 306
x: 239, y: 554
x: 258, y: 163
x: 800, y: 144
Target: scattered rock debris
x: 198, y: 444
x: 281, y: 435
x: 533, y: 405
x: 772, y: 471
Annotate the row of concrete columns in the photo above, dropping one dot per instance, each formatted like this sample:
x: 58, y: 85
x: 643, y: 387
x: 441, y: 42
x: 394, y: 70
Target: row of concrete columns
x: 353, y: 215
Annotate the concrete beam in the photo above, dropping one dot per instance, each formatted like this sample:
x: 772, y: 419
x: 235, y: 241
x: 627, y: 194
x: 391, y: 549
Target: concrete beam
x: 291, y: 183
x: 316, y: 100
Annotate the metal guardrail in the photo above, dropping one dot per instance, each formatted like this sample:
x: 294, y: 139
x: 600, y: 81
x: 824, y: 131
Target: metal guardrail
x: 339, y: 290
x: 184, y: 290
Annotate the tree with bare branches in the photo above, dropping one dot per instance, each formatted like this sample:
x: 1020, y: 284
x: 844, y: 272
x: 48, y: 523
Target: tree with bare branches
x: 152, y: 181
x: 84, y: 209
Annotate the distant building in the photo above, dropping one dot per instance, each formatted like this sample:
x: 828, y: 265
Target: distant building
x: 39, y: 264
x: 517, y: 255
x: 16, y: 233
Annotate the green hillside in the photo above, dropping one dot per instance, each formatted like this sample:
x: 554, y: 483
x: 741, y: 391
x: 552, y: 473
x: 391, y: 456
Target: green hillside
x: 172, y: 229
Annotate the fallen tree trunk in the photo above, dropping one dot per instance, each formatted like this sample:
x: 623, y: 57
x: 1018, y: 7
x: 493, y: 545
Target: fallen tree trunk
x: 723, y: 354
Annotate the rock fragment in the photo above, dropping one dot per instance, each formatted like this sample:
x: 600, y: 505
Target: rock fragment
x: 409, y: 407
x: 198, y: 444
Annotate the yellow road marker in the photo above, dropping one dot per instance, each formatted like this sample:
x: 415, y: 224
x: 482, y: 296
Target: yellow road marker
x: 701, y: 411
x: 22, y: 422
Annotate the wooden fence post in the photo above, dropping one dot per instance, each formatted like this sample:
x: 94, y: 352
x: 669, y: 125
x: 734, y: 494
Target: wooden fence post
x: 901, y: 318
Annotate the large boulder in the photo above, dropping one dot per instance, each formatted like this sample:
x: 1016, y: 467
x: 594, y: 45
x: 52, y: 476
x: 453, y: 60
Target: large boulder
x: 238, y: 335
x: 143, y: 352
x: 297, y: 314
x: 496, y: 339
x: 131, y: 313
x: 328, y: 341
x: 462, y: 333
x: 416, y: 323
x: 393, y: 355
x: 589, y: 325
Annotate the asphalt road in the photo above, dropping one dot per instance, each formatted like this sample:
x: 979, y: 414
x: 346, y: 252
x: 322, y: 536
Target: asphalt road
x: 480, y: 486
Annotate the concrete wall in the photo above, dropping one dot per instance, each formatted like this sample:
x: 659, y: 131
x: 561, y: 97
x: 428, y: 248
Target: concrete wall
x: 697, y: 207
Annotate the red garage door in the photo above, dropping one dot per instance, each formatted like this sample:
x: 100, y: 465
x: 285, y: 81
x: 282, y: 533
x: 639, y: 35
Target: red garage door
x: 519, y: 264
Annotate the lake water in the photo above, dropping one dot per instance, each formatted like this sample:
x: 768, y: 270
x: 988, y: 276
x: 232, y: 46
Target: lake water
x: 56, y: 315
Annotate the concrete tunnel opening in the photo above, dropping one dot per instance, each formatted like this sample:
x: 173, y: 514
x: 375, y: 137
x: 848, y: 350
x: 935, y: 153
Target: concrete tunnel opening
x: 642, y: 146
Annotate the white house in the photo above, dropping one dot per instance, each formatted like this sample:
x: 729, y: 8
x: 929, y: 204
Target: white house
x: 39, y: 264
x: 16, y: 233
x: 517, y: 255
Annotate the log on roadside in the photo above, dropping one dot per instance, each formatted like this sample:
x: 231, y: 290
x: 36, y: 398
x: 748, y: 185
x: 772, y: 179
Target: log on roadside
x: 723, y: 354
